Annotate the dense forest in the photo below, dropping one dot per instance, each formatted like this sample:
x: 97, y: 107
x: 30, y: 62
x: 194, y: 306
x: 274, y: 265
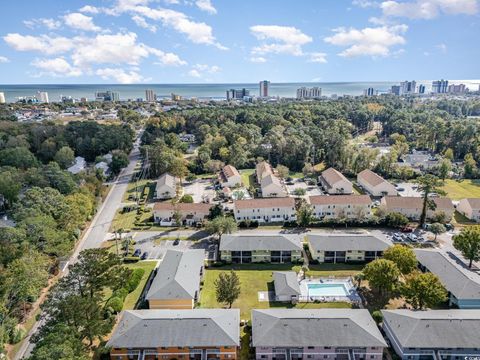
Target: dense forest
x: 48, y: 205
x: 299, y: 135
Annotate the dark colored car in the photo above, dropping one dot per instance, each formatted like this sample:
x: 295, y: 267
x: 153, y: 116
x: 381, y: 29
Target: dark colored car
x: 137, y: 252
x: 176, y: 242
x: 407, y: 229
x: 144, y: 255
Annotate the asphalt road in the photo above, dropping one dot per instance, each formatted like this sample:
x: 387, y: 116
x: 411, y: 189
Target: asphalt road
x: 97, y: 231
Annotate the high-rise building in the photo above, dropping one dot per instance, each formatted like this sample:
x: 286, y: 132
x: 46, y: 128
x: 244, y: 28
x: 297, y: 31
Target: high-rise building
x: 237, y: 94
x: 150, y: 95
x: 370, y: 92
x: 421, y: 89
x: 440, y: 86
x: 457, y: 89
x: 176, y: 97
x: 263, y: 88
x: 408, y: 87
x: 309, y: 93
x: 396, y: 90
x: 107, y: 96
x: 42, y: 96
x: 2, y: 98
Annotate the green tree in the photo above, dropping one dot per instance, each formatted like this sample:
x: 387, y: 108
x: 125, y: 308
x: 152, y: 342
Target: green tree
x: 382, y: 275
x: 422, y: 290
x: 119, y: 161
x: 65, y: 157
x: 396, y: 220
x: 18, y: 157
x: 227, y: 288
x: 469, y: 166
x: 444, y: 169
x: 186, y: 199
x: 468, y: 243
x: 221, y: 225
x: 305, y: 214
x: 403, y: 257
x: 448, y: 154
x: 428, y: 184
x: 282, y: 171
x: 10, y: 185
x: 437, y: 228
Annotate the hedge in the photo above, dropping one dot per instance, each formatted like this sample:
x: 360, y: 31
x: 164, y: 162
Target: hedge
x: 116, y: 304
x: 135, y: 279
x: 120, y: 293
x: 131, y: 259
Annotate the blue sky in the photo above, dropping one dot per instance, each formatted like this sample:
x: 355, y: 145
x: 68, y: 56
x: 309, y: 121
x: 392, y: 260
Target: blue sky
x: 195, y: 41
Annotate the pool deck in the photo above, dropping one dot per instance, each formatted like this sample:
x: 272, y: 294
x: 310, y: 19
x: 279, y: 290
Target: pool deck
x: 352, y: 296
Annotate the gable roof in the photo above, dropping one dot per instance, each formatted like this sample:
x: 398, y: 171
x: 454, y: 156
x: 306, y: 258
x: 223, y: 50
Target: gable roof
x: 168, y: 180
x: 445, y: 329
x: 177, y: 328
x: 411, y: 202
x: 345, y: 242
x: 259, y: 242
x: 183, y: 207
x: 340, y: 200
x: 264, y: 203
x: 178, y: 275
x: 269, y: 180
x: 315, y: 327
x: 229, y: 171
x: 457, y: 279
x: 473, y: 202
x: 263, y: 169
x: 371, y: 178
x: 286, y: 283
x: 332, y: 176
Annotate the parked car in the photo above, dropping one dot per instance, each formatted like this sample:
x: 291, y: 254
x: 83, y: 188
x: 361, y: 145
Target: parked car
x: 397, y: 237
x: 449, y: 227
x: 412, y: 237
x: 176, y: 242
x: 407, y: 229
x: 400, y: 189
x: 137, y: 252
x: 144, y: 255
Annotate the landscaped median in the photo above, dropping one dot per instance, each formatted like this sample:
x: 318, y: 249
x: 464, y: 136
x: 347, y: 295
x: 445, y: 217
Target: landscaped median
x: 258, y: 277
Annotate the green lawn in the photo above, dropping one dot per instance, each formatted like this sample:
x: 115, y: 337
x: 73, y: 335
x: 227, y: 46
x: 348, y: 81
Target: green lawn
x: 258, y: 277
x: 132, y: 298
x: 459, y: 189
x: 127, y: 220
x: 248, y: 177
x: 139, y: 185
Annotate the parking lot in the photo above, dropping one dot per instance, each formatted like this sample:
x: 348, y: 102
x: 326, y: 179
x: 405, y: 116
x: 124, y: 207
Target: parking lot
x: 311, y: 190
x: 409, y: 189
x: 200, y: 190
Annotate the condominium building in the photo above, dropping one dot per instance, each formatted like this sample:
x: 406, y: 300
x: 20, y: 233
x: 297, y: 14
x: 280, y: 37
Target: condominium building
x: 2, y: 98
x: 166, y: 187
x: 408, y: 87
x: 230, y: 177
x: 42, y: 97
x: 470, y: 208
x: 440, y: 86
x: 197, y: 334
x: 237, y: 94
x: 370, y: 92
x: 107, y: 96
x: 309, y: 93
x: 457, y: 89
x: 265, y: 210
x: 412, y: 207
x: 326, y: 334
x: 264, y: 88
x: 375, y: 184
x: 165, y: 213
x: 334, y: 182
x: 150, y: 95
x: 357, y: 207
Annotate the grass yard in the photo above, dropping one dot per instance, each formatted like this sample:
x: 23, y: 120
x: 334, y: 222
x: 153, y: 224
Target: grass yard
x: 132, y: 298
x: 459, y: 189
x: 258, y: 277
x: 248, y: 177
x: 127, y: 220
x: 130, y: 193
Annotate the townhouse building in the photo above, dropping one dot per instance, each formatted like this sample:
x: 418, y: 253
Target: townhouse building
x: 375, y: 185
x: 334, y: 182
x: 266, y: 210
x: 470, y: 208
x: 411, y: 206
x: 341, y: 206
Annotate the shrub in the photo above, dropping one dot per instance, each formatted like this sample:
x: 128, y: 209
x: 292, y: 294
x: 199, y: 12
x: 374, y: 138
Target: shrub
x: 120, y: 293
x: 131, y: 259
x: 243, y: 225
x: 116, y: 304
x: 299, y: 191
x: 135, y: 279
x: 253, y: 224
x: 17, y: 335
x: 377, y: 316
x: 186, y: 199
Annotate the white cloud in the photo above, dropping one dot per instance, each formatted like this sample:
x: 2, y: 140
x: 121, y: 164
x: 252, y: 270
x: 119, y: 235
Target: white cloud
x: 428, y: 9
x: 206, y: 5
x: 368, y: 41
x: 140, y: 21
x: 167, y: 59
x: 279, y: 39
x: 197, y: 32
x: 80, y: 22
x: 258, y: 59
x: 365, y: 3
x: 202, y: 70
x: 442, y: 47
x: 43, y: 43
x: 120, y: 75
x: 50, y: 24
x: 4, y: 59
x: 56, y: 67
x: 318, y: 57
x: 89, y: 9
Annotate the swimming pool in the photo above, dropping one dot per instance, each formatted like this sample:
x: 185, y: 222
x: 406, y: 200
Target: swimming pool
x: 330, y: 289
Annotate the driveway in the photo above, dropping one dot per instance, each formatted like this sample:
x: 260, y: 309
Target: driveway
x: 311, y: 190
x: 200, y: 190
x: 410, y: 189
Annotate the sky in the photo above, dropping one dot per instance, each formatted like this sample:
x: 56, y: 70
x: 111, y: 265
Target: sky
x: 225, y: 41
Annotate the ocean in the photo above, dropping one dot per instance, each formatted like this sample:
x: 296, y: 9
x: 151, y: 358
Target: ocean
x: 203, y: 91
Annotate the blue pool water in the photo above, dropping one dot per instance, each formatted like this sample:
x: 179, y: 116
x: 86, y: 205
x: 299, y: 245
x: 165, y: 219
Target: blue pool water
x: 335, y: 289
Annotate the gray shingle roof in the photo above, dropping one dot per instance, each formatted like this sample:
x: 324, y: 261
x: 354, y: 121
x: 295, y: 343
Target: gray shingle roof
x: 286, y: 283
x: 316, y: 327
x: 457, y: 279
x: 345, y: 242
x: 434, y: 328
x: 259, y: 242
x: 177, y: 328
x: 178, y: 275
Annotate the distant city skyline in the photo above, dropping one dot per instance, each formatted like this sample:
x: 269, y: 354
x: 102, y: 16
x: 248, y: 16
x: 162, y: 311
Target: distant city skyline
x: 212, y: 41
